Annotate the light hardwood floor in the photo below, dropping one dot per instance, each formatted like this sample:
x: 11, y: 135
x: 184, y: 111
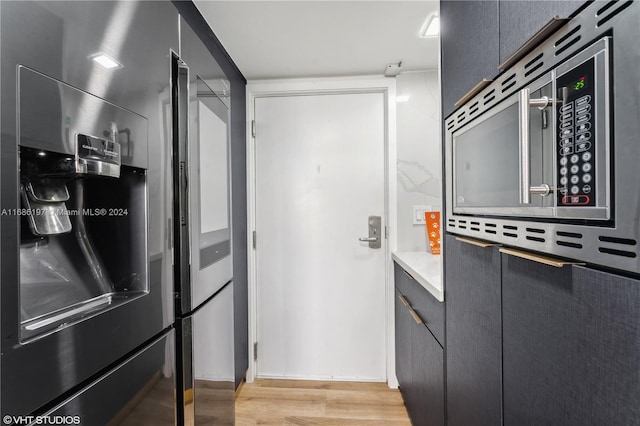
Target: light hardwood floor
x: 297, y: 402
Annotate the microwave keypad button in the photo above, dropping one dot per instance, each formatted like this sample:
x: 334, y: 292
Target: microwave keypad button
x: 583, y: 100
x: 567, y: 150
x: 575, y: 169
x: 566, y: 132
x: 564, y: 191
x: 575, y: 158
x: 575, y: 179
x: 586, y: 167
x: 586, y: 189
x: 586, y: 156
x: 575, y: 199
x: 583, y: 109
x: 566, y: 117
x: 566, y: 124
x: 583, y: 146
x: 563, y: 171
x: 581, y: 128
x: 564, y: 181
x: 583, y: 118
x: 575, y: 189
x: 567, y: 107
x: 566, y: 141
x: 586, y: 178
x: 563, y: 161
x: 583, y: 137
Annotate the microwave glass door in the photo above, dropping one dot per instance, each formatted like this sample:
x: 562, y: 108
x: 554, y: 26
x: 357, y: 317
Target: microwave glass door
x: 487, y: 167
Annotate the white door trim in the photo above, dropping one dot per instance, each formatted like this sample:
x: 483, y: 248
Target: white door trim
x: 347, y: 85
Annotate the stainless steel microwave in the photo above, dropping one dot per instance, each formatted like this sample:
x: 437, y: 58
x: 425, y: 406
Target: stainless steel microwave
x: 547, y: 157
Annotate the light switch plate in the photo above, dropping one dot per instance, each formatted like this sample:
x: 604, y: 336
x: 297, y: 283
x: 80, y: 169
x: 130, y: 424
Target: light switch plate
x: 418, y: 214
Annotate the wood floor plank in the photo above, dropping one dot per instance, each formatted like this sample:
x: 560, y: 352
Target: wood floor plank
x: 300, y: 402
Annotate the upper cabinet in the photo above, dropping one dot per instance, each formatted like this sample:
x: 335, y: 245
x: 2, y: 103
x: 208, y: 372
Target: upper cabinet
x: 476, y: 36
x: 470, y: 49
x: 520, y: 20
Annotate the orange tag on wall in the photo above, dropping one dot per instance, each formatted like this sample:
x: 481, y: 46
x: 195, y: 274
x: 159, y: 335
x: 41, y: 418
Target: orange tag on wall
x: 432, y: 219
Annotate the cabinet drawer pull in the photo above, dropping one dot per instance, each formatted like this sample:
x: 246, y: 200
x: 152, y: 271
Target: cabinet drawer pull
x: 478, y: 243
x: 404, y: 300
x: 558, y: 263
x: 474, y: 91
x: 415, y: 316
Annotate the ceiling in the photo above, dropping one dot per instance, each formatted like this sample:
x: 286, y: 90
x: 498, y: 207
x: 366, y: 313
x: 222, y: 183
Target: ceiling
x: 288, y: 39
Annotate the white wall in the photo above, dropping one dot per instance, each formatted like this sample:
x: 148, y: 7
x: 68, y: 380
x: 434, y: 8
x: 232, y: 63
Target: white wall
x: 419, y: 154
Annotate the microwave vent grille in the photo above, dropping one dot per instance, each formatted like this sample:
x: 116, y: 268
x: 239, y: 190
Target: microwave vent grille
x: 489, y: 97
x: 533, y: 65
x: 473, y: 108
x: 567, y: 40
x: 509, y: 82
x: 618, y: 246
x: 536, y: 239
x: 569, y: 244
x: 461, y: 117
x: 613, y: 13
x: 451, y: 124
x: 510, y: 234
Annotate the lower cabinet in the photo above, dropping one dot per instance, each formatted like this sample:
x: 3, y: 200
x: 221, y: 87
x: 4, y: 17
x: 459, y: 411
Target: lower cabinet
x: 474, y: 334
x: 571, y: 345
x: 530, y: 344
x: 419, y: 361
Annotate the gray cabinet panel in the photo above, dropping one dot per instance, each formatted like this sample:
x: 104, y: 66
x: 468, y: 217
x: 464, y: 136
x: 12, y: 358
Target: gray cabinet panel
x: 430, y: 310
x: 428, y: 378
x: 474, y: 337
x: 520, y: 20
x: 571, y: 346
x: 470, y: 51
x: 403, y: 344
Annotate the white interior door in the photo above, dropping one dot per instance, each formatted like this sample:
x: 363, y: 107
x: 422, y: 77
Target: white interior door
x: 320, y: 291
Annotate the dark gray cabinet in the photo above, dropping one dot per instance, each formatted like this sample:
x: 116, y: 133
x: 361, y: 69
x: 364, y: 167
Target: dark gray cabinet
x: 476, y: 36
x: 474, y: 336
x: 469, y: 45
x: 520, y: 20
x: 571, y: 345
x: 419, y: 355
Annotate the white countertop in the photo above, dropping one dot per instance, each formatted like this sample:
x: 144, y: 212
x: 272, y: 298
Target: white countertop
x: 425, y: 268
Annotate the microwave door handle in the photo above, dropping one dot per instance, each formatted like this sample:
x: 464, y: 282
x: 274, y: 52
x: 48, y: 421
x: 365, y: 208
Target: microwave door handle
x: 524, y: 105
x: 525, y: 152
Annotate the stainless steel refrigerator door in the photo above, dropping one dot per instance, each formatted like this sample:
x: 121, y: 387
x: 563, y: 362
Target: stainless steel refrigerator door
x: 139, y: 391
x: 206, y: 163
x: 60, y: 40
x: 206, y: 385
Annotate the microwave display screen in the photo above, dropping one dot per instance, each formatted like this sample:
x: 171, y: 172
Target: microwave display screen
x: 579, y: 85
x: 576, y: 135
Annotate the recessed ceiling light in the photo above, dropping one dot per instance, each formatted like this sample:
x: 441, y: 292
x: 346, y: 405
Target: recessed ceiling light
x: 402, y: 98
x: 431, y: 26
x: 106, y: 61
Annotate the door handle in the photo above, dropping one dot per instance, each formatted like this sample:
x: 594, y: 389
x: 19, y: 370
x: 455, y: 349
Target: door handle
x: 524, y: 104
x: 375, y: 228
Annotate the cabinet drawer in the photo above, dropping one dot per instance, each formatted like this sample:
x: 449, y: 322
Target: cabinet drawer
x: 426, y: 306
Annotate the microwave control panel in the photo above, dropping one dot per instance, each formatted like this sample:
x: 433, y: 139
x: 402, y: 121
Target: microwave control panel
x: 576, y: 135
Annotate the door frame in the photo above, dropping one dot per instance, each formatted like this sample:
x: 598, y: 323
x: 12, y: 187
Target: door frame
x: 322, y: 86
